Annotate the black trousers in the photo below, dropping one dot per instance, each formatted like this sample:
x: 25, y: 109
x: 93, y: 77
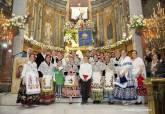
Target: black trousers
x: 85, y: 89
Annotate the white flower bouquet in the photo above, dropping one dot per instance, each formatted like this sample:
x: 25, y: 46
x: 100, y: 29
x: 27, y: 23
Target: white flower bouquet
x: 67, y: 37
x: 136, y: 22
x: 16, y: 22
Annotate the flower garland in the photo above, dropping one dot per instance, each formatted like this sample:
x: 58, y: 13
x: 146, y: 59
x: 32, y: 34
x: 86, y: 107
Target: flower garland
x: 39, y: 44
x: 17, y: 21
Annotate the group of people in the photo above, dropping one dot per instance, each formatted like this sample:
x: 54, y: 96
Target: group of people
x: 155, y: 63
x: 47, y: 76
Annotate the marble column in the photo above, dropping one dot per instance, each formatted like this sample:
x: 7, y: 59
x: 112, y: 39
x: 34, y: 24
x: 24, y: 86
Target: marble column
x: 90, y: 9
x: 19, y: 8
x: 67, y: 11
x: 135, y: 8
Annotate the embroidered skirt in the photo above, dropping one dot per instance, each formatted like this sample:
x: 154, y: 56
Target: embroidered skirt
x: 108, y: 92
x: 47, y: 91
x: 71, y: 91
x: 28, y: 99
x: 97, y: 94
x: 142, y: 91
x: 47, y: 97
x: 128, y: 93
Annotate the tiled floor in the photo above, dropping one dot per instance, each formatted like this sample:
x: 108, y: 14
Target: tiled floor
x: 8, y: 106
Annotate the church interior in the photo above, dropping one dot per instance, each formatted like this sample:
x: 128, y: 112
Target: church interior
x: 73, y: 33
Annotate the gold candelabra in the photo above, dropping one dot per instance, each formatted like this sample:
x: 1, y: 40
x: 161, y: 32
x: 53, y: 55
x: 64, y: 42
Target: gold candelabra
x: 155, y: 28
x: 5, y: 34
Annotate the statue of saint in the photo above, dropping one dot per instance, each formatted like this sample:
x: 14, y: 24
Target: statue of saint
x: 48, y: 33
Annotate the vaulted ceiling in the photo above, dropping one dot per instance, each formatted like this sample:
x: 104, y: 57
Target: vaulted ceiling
x: 96, y: 4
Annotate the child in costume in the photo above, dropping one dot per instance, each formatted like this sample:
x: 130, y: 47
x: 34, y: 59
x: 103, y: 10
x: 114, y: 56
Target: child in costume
x: 59, y: 79
x: 71, y: 88
x: 109, y: 82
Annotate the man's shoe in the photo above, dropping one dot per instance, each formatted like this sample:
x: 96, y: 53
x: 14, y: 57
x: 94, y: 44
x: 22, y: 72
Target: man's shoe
x: 82, y: 102
x: 110, y: 102
x: 138, y: 103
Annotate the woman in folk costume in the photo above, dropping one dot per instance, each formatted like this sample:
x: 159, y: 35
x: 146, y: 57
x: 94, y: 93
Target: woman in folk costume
x: 97, y: 86
x: 71, y: 88
x: 109, y: 82
x: 29, y: 92
x: 116, y: 62
x: 71, y: 64
x: 59, y: 79
x: 46, y: 69
x: 85, y: 73
x: 139, y: 74
x: 125, y: 88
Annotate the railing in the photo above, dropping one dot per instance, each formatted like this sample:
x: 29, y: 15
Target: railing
x: 156, y: 95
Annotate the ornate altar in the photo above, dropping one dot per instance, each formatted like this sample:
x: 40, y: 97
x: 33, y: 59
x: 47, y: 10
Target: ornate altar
x: 78, y: 31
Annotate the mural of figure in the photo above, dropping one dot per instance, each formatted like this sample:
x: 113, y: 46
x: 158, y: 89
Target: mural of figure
x: 110, y: 31
x: 48, y: 33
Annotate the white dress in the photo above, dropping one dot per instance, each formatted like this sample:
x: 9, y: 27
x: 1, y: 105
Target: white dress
x: 47, y: 95
x: 47, y: 79
x: 125, y: 85
x: 31, y: 78
x: 138, y: 64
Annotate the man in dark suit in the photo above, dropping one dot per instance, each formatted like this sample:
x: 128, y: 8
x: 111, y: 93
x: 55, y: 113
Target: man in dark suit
x: 40, y: 57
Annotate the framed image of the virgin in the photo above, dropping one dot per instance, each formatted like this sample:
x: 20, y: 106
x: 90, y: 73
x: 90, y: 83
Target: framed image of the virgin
x: 17, y: 70
x: 85, y: 37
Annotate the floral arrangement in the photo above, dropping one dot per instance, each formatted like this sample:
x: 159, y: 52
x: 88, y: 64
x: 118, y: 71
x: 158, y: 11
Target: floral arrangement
x: 67, y: 37
x: 70, y: 34
x: 136, y: 22
x: 71, y: 31
x: 16, y: 22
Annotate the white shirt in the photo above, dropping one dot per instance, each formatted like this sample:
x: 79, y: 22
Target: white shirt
x: 31, y: 78
x: 109, y: 78
x: 96, y: 77
x: 70, y: 80
x: 44, y: 55
x: 126, y: 65
x: 115, y: 62
x: 45, y: 68
x: 29, y: 67
x: 85, y: 69
x: 138, y: 64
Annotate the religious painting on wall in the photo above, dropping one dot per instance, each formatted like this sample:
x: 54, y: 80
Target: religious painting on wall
x: 110, y: 31
x: 19, y: 71
x: 62, y: 31
x: 47, y: 31
x: 101, y: 23
x: 56, y: 30
x: 95, y: 38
